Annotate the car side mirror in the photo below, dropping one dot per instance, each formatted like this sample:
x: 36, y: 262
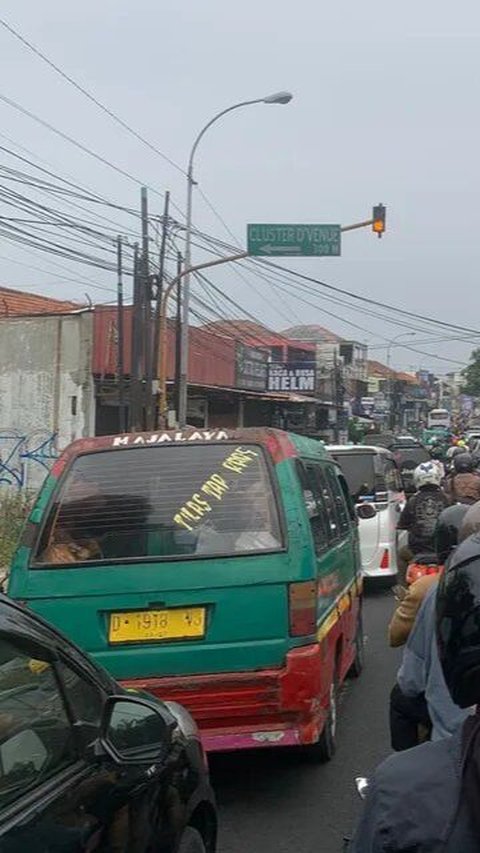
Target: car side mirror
x: 366, y: 511
x: 135, y: 731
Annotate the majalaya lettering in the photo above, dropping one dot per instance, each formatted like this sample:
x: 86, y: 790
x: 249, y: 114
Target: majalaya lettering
x: 214, y: 487
x: 167, y: 437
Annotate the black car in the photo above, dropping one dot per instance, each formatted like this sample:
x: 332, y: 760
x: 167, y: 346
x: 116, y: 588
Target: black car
x: 408, y: 453
x: 86, y: 765
x: 407, y: 458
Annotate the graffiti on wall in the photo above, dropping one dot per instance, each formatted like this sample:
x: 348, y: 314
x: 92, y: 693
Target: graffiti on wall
x: 25, y: 459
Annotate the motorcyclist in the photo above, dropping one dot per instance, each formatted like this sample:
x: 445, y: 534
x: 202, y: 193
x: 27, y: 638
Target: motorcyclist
x: 420, y: 674
x: 476, y: 459
x: 463, y: 484
x: 409, y: 708
x: 445, y: 540
x: 455, y: 450
x: 438, y: 455
x: 420, y: 514
x: 427, y: 799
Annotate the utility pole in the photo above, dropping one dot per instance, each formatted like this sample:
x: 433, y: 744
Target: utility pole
x: 178, y: 335
x: 147, y: 315
x: 120, y: 341
x: 159, y: 293
x: 162, y: 392
x: 136, y: 406
x: 336, y: 388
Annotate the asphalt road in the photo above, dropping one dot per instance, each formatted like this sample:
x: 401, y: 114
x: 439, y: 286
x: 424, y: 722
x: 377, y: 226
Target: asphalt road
x: 273, y: 801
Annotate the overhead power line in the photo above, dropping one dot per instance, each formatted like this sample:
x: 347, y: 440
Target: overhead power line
x: 99, y: 157
x: 75, y: 142
x: 89, y: 95
x: 415, y: 315
x: 228, y: 248
x: 78, y: 280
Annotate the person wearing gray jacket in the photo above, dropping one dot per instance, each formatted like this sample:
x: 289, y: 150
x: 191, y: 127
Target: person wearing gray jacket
x: 427, y: 799
x: 421, y: 674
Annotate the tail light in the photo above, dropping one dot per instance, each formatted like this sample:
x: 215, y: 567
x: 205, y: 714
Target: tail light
x: 419, y: 570
x: 385, y: 563
x: 302, y: 601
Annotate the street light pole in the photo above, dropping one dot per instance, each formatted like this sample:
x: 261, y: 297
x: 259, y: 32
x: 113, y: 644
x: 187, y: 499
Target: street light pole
x: 278, y: 98
x: 390, y: 383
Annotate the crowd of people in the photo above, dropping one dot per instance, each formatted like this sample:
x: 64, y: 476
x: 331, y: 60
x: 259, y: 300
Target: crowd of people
x: 426, y: 796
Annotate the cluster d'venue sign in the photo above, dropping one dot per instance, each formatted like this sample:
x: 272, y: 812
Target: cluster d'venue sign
x: 269, y: 239
x: 298, y: 377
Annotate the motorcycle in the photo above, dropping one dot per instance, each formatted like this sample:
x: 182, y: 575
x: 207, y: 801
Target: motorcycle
x: 421, y: 565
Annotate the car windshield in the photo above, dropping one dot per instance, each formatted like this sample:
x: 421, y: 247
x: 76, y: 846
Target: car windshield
x: 162, y: 502
x: 359, y: 472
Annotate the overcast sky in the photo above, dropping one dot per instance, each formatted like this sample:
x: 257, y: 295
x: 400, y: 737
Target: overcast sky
x: 385, y: 109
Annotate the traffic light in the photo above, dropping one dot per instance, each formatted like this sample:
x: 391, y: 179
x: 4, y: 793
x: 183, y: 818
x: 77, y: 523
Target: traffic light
x: 378, y: 223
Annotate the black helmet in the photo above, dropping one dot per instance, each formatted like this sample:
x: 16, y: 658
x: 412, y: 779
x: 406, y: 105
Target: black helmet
x: 458, y: 623
x: 448, y: 529
x: 463, y: 463
x: 476, y: 459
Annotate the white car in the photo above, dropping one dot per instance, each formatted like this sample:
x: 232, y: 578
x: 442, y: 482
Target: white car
x: 376, y: 486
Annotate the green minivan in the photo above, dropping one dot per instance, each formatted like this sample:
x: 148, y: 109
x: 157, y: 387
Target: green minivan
x: 216, y: 568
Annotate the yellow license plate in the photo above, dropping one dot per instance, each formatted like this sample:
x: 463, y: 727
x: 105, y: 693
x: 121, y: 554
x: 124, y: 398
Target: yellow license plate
x: 143, y: 626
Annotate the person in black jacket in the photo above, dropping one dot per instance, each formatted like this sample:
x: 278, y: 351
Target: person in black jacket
x: 427, y: 799
x: 421, y: 512
x: 463, y: 483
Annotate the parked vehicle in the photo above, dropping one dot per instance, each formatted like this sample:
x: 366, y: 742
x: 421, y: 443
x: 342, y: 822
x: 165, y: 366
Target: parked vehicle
x: 217, y: 568
x: 373, y: 478
x: 86, y: 766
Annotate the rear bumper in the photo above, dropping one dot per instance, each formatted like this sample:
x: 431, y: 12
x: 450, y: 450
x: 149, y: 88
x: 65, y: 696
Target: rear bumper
x: 245, y: 710
x: 377, y: 572
x: 373, y: 568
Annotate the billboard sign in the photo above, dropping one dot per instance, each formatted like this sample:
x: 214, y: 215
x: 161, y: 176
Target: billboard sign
x: 250, y: 368
x: 297, y: 376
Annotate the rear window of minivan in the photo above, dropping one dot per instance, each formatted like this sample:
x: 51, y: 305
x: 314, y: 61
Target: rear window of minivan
x: 162, y: 502
x: 359, y: 472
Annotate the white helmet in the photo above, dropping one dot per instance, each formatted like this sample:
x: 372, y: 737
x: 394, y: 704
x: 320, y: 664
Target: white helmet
x: 427, y: 474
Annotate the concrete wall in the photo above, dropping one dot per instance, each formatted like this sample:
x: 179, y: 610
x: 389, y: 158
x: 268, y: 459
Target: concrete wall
x: 46, y: 392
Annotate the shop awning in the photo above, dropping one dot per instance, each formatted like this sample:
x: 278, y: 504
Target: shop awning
x: 275, y: 396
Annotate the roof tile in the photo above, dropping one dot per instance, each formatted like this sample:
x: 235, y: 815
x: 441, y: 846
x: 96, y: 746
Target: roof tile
x: 17, y: 303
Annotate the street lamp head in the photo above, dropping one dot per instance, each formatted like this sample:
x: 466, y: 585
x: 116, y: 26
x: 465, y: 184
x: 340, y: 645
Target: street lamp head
x: 278, y: 98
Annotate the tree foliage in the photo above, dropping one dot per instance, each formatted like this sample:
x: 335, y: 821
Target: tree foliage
x: 471, y: 375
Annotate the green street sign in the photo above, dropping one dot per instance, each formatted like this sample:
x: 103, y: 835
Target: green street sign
x: 293, y: 240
